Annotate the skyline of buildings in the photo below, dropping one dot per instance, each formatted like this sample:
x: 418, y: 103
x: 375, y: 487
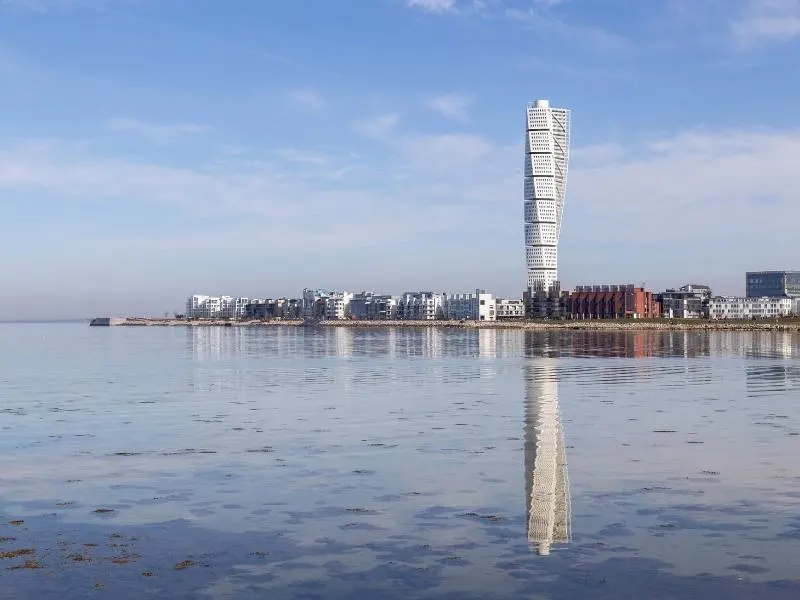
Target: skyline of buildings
x: 547, y: 140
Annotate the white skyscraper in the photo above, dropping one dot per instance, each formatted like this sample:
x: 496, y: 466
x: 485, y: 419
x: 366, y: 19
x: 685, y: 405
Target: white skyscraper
x: 546, y: 164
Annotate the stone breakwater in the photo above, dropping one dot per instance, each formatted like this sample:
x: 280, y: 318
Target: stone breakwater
x: 609, y: 325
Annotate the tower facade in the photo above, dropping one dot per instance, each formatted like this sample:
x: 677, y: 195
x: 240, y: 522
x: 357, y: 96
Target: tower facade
x: 546, y: 165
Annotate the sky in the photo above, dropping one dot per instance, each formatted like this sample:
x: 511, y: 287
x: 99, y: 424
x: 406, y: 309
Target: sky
x: 154, y: 149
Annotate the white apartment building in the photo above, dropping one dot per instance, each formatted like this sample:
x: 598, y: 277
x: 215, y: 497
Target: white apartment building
x: 477, y: 306
x: 337, y: 305
x: 509, y: 309
x: 201, y: 306
x: 546, y: 165
x: 420, y: 306
x: 750, y: 308
x: 314, y: 303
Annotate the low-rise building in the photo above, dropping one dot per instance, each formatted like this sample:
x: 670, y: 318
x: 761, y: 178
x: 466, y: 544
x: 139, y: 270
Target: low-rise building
x: 420, y: 306
x: 546, y: 304
x: 613, y: 302
x: 337, y: 305
x: 688, y: 302
x: 280, y: 308
x: 370, y: 306
x: 233, y: 308
x: 314, y: 303
x: 477, y: 306
x: 772, y: 284
x: 730, y: 307
x: 200, y: 306
x: 509, y: 309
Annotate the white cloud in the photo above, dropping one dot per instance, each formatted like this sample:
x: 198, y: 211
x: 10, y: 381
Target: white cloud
x: 768, y: 20
x: 545, y: 21
x: 161, y: 133
x: 451, y: 106
x: 437, y: 6
x: 724, y: 200
x: 307, y: 98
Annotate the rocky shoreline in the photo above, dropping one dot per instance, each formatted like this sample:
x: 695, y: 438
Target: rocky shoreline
x: 611, y: 325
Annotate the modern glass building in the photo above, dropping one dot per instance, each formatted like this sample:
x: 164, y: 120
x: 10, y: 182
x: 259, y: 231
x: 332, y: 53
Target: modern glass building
x: 546, y: 165
x: 774, y: 284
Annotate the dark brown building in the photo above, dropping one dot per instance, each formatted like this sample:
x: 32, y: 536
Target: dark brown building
x: 613, y: 302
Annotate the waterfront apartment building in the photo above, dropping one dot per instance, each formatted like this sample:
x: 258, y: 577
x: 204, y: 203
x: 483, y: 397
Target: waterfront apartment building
x: 509, y: 309
x: 200, y: 306
x: 477, y: 306
x: 314, y: 303
x: 420, y: 306
x: 613, y: 302
x: 751, y: 308
x: 370, y: 306
x: 688, y: 302
x: 773, y: 284
x: 547, y: 138
x: 551, y: 304
x: 279, y: 308
x: 337, y: 305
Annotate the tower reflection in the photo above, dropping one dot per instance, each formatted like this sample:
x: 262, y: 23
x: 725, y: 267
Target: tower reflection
x: 546, y: 480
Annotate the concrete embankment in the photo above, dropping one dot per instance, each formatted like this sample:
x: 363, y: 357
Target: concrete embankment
x: 609, y: 325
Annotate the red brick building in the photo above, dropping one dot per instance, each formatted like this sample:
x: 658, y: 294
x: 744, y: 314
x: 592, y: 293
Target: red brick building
x: 613, y: 302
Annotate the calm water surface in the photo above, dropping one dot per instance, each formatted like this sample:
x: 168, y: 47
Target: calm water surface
x: 337, y: 463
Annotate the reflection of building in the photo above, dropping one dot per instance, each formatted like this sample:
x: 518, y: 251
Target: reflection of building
x: 216, y: 343
x: 547, y: 492
x: 487, y: 343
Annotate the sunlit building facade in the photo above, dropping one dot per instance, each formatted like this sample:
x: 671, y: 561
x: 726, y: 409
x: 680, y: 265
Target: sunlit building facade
x: 546, y: 165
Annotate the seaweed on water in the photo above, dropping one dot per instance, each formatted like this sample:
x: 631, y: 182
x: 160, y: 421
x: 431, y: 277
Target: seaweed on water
x: 16, y: 553
x: 28, y: 564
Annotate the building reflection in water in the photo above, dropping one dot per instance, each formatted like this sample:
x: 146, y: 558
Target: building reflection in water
x: 548, y: 504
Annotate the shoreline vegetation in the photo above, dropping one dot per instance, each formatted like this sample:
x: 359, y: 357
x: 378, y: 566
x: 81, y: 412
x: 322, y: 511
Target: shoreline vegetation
x: 785, y: 324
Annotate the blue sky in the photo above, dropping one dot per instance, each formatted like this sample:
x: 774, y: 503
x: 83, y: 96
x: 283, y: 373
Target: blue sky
x: 150, y: 149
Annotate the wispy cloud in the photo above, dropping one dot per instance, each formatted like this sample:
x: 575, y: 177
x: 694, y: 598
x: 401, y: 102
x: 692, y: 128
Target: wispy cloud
x: 307, y: 98
x: 377, y: 127
x: 160, y: 133
x: 465, y: 183
x: 451, y: 106
x: 768, y: 20
x: 436, y: 6
x: 545, y: 19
